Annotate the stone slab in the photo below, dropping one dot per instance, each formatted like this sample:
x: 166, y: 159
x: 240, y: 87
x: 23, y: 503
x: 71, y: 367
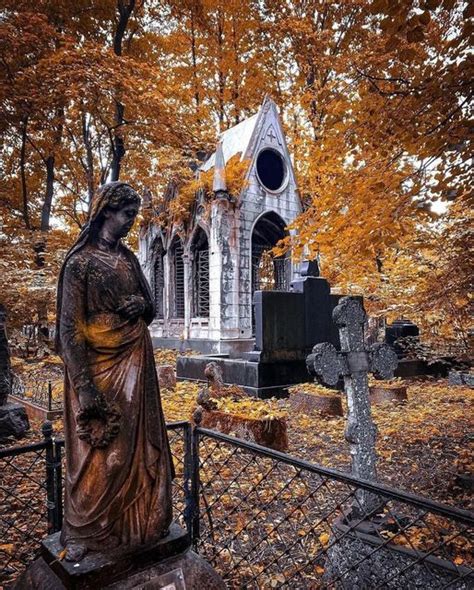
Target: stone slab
x: 35, y: 412
x: 385, y: 394
x: 270, y: 433
x: 328, y: 405
x: 259, y: 379
x: 279, y: 325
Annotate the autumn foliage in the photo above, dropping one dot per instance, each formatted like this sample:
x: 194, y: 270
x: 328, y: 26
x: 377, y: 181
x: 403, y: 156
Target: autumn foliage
x: 374, y: 95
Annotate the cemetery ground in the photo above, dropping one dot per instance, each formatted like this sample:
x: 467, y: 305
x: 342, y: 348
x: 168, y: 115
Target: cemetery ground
x: 424, y: 445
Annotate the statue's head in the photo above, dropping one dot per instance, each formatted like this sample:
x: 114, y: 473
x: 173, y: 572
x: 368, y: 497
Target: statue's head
x: 117, y: 204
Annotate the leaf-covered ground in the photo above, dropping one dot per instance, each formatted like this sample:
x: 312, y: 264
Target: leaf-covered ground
x: 423, y: 445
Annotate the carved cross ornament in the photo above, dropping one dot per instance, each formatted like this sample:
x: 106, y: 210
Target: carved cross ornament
x: 353, y: 363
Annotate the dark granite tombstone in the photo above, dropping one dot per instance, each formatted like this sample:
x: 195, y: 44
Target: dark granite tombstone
x: 13, y: 418
x: 317, y: 307
x: 279, y: 325
x: 287, y: 326
x: 400, y: 329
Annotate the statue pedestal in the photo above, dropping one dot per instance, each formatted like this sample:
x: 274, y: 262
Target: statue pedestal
x: 168, y: 563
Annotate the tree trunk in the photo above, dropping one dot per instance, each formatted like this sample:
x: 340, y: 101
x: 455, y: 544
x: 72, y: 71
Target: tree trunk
x: 86, y: 137
x: 24, y: 190
x: 118, y: 144
x: 48, y: 197
x: 197, y: 99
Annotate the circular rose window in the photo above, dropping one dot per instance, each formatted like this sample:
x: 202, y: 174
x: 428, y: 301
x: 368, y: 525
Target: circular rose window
x: 271, y: 169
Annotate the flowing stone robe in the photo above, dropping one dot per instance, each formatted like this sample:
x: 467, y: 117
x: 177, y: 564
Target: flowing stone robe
x: 122, y: 491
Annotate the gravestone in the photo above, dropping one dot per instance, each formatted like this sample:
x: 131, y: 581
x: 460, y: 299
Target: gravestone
x: 13, y: 418
x: 398, y: 330
x: 358, y: 555
x: 353, y: 363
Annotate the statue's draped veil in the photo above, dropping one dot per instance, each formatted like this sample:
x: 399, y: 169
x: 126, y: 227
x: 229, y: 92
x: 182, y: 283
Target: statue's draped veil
x: 114, y: 195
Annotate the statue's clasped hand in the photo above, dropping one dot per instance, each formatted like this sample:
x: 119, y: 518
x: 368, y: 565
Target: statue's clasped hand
x: 133, y: 307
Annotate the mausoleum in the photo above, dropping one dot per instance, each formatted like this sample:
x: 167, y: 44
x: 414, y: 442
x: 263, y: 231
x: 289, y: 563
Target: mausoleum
x: 204, y: 275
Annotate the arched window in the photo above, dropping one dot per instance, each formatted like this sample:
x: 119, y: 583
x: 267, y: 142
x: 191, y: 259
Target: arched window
x: 200, y: 250
x: 177, y: 299
x: 268, y: 272
x: 158, y: 278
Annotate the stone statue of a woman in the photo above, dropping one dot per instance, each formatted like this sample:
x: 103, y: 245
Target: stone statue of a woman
x: 119, y: 466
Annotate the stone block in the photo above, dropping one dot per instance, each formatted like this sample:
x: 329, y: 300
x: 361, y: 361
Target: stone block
x: 168, y: 561
x: 279, y: 325
x: 328, y: 405
x: 382, y: 394
x: 13, y: 421
x: 270, y: 432
x: 166, y: 376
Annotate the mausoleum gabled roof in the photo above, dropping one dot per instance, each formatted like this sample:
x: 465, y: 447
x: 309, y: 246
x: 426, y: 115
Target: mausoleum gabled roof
x: 238, y: 139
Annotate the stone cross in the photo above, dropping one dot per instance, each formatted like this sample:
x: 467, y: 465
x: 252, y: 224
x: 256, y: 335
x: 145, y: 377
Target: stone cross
x: 354, y: 363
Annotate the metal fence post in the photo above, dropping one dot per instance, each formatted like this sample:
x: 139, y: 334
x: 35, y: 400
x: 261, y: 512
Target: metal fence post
x: 195, y: 485
x: 47, y: 430
x: 50, y: 397
x: 191, y: 483
x: 58, y: 484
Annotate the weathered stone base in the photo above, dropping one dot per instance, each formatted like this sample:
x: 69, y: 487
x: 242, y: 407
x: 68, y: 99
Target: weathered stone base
x: 270, y: 433
x: 386, y: 394
x: 260, y: 379
x: 35, y: 412
x: 168, y: 561
x: 13, y: 421
x: 391, y: 566
x: 418, y: 367
x: 328, y: 405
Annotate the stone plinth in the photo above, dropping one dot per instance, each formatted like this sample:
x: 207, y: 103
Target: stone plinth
x: 13, y: 421
x: 262, y: 380
x: 168, y: 561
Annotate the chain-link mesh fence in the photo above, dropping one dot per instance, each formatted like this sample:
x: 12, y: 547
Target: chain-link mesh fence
x: 268, y: 520
x: 262, y: 518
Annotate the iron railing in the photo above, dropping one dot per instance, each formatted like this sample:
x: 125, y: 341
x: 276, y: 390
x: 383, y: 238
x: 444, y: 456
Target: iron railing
x: 268, y: 520
x: 262, y: 518
x: 39, y: 392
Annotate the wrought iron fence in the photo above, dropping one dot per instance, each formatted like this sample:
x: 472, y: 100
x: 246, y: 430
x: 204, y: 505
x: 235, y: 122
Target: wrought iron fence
x: 264, y: 519
x: 268, y: 520
x: 40, y: 392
